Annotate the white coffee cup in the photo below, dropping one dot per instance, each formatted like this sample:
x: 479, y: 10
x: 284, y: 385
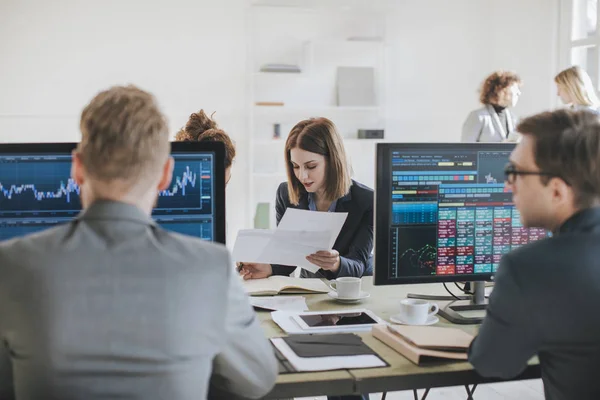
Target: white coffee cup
x: 416, y: 312
x: 347, y: 287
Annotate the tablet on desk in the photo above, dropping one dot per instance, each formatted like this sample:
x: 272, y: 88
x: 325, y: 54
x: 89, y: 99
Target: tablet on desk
x: 330, y: 320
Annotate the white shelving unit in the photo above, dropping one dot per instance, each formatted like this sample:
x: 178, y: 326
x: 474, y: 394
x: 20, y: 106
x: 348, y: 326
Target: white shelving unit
x: 316, y: 40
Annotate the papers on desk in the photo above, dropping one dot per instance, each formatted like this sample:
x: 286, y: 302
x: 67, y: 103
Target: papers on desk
x: 299, y: 234
x: 301, y: 364
x: 283, y: 303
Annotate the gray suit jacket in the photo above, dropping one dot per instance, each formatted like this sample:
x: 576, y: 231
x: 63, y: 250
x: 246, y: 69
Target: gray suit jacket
x: 545, y: 302
x: 483, y: 125
x: 112, y: 306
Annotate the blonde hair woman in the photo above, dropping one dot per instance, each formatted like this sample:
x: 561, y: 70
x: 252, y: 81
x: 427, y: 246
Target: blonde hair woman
x: 575, y: 89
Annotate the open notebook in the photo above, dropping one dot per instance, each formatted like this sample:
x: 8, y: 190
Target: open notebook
x: 421, y: 344
x: 277, y: 284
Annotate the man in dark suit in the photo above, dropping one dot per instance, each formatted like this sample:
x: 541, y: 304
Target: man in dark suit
x: 112, y: 306
x: 546, y: 294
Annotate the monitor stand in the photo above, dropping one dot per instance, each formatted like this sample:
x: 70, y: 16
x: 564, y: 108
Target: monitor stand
x: 477, y: 302
x: 451, y: 310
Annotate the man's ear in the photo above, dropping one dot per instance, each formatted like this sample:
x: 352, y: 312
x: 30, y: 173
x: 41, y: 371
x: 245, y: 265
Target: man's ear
x: 167, y: 174
x: 77, y: 168
x: 562, y: 194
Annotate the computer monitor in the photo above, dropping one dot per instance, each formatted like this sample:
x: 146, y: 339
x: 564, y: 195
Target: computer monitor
x: 443, y: 214
x: 36, y: 191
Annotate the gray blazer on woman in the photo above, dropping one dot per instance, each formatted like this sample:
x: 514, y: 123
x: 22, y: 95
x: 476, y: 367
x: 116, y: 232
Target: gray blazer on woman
x: 483, y: 125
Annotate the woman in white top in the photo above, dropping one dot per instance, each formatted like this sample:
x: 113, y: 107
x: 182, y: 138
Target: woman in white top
x: 576, y: 90
x: 494, y: 122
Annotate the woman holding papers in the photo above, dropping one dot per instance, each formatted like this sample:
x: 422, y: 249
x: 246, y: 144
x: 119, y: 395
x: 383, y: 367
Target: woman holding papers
x: 319, y: 180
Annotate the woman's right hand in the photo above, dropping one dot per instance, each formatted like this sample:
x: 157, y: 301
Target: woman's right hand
x: 255, y: 271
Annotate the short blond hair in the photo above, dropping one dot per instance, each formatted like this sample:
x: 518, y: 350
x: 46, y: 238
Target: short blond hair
x: 124, y: 135
x: 579, y: 86
x: 320, y: 136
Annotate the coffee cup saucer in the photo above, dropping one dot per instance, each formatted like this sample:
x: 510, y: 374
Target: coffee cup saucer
x: 397, y: 319
x: 361, y: 296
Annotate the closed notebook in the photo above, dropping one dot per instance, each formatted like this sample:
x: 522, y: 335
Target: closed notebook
x: 421, y: 344
x: 339, y: 344
x: 298, y: 353
x: 277, y: 284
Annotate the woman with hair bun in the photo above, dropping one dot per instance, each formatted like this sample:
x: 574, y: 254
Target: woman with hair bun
x: 202, y: 128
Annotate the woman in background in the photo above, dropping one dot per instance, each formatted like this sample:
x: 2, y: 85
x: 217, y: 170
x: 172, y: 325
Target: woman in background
x: 319, y: 180
x: 576, y: 90
x: 494, y: 122
x: 201, y: 128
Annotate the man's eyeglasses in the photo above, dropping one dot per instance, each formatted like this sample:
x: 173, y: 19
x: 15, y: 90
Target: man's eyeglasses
x: 511, y: 172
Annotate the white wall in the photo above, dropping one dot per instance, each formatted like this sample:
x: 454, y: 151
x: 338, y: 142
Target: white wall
x: 441, y: 51
x: 55, y: 55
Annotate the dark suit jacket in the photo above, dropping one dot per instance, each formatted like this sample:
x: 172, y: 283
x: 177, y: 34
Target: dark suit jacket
x: 545, y: 302
x: 355, y: 241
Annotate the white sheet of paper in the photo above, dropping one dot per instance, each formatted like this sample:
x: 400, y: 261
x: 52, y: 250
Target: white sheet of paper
x: 306, y: 220
x: 292, y: 247
x: 299, y: 234
x: 279, y: 247
x: 326, y: 363
x: 250, y: 243
x: 285, y: 303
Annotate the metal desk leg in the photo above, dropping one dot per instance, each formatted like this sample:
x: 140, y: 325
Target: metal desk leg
x: 424, y: 394
x: 470, y: 391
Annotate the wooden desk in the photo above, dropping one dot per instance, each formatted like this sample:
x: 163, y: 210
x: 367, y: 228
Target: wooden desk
x: 401, y: 375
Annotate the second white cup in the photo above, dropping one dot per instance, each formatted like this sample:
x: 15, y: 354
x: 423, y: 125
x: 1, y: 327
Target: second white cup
x: 347, y: 287
x: 416, y: 312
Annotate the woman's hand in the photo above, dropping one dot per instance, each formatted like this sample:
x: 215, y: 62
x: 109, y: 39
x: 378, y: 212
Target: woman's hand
x: 326, y: 259
x: 254, y: 271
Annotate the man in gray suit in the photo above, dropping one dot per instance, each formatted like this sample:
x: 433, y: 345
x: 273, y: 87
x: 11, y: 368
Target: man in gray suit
x: 545, y: 301
x: 112, y: 306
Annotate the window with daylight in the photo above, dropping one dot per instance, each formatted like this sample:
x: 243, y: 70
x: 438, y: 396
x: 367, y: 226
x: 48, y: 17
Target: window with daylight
x: 581, y: 17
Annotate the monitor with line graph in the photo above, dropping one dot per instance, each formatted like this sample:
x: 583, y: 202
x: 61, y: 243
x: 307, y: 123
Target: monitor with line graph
x: 36, y: 191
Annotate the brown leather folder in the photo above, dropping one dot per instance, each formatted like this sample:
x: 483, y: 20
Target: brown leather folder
x: 422, y: 344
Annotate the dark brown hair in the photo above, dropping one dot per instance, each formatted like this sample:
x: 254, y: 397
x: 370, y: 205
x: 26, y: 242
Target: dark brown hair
x: 496, y: 83
x: 123, y: 135
x: 567, y: 145
x: 320, y: 136
x: 200, y: 127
